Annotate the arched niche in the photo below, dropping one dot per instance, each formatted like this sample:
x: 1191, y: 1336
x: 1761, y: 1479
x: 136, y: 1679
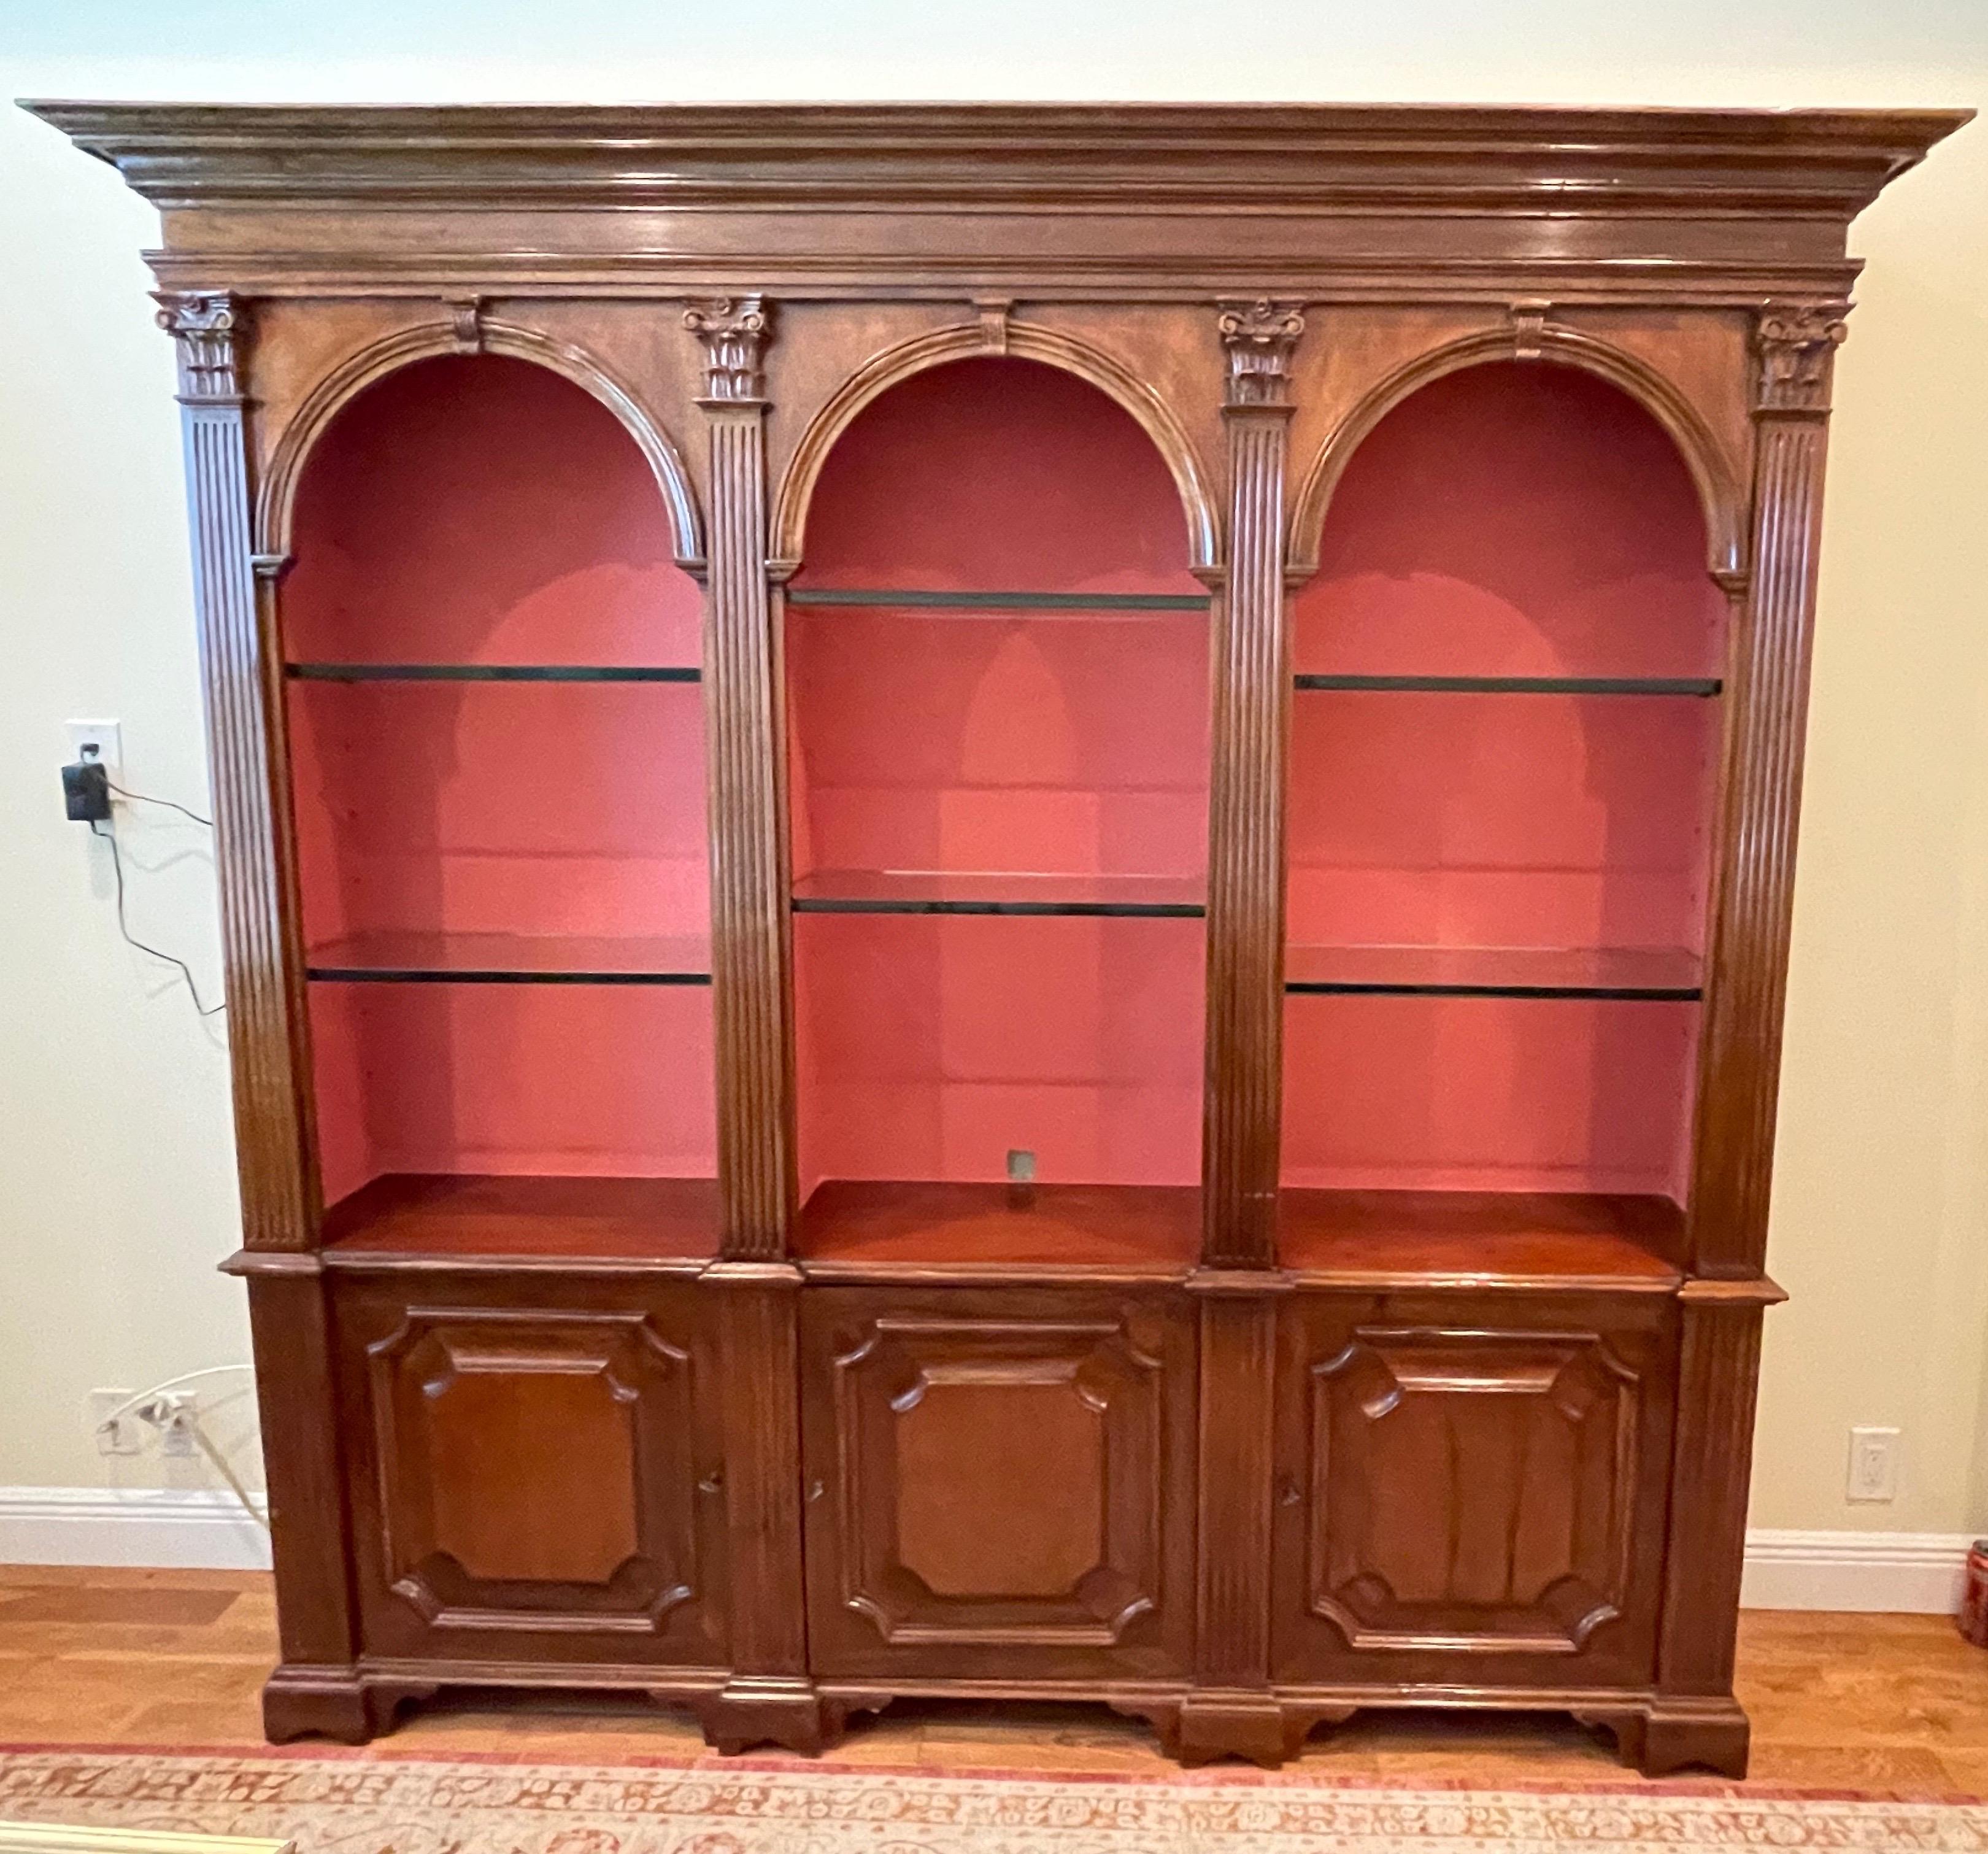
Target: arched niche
x: 464, y: 514
x: 1025, y: 341
x: 1506, y: 521
x: 1001, y: 751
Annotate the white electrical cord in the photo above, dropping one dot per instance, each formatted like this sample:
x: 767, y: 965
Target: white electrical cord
x: 146, y: 1404
x: 227, y: 1473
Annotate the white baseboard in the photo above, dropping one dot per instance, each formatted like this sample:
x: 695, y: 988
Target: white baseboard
x: 1917, y: 1572
x: 174, y: 1527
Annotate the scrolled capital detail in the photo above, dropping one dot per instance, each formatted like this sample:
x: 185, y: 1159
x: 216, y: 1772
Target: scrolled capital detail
x: 1795, y: 342
x: 1258, y: 337
x: 733, y: 331
x: 204, y: 326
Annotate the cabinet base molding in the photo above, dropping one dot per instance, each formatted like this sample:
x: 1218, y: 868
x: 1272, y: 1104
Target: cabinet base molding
x: 340, y: 1703
x: 752, y: 1710
x: 1266, y: 1727
x: 1256, y: 1726
x: 1678, y: 1734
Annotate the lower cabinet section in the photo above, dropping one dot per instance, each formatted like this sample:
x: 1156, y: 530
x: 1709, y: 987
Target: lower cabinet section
x: 1001, y: 1487
x: 998, y: 1485
x: 1466, y: 1500
x: 539, y: 1475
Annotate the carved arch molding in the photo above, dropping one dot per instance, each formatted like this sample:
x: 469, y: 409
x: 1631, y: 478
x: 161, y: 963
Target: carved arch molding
x: 1528, y: 334
x: 994, y: 333
x: 467, y: 330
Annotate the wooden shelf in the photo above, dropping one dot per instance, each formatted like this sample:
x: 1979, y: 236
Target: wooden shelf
x: 1700, y: 687
x: 1096, y: 604
x: 945, y: 891
x: 1668, y: 974
x: 407, y: 1218
x: 1133, y: 1229
x: 512, y: 958
x: 1384, y: 1239
x: 490, y: 672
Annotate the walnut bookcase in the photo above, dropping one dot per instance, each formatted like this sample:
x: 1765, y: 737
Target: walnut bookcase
x: 1005, y: 888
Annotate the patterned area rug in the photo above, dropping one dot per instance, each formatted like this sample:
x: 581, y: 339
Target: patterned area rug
x: 332, y: 1804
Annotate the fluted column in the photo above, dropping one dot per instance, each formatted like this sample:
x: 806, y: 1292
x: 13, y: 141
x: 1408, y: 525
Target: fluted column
x: 1794, y: 345
x: 1246, y: 876
x: 750, y: 946
x: 1694, y: 1718
x: 316, y: 1688
x: 1229, y: 1709
x: 767, y: 1695
x: 244, y: 726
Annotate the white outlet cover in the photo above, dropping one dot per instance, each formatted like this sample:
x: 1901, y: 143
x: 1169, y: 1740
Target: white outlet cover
x: 1874, y: 1465
x: 127, y: 1436
x: 101, y: 740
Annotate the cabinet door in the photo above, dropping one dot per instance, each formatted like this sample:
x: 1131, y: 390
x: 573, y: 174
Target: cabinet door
x: 999, y: 1492
x: 533, y: 1481
x: 1461, y: 1499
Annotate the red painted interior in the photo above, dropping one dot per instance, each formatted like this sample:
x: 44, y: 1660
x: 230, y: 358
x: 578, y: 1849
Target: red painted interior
x: 1509, y: 520
x: 483, y: 510
x: 981, y: 744
x: 931, y: 1046
x: 606, y: 1081
x: 479, y: 509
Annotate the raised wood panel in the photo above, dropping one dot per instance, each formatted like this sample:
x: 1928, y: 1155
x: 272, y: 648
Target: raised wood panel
x: 1003, y: 1484
x: 545, y: 1473
x: 1456, y: 1485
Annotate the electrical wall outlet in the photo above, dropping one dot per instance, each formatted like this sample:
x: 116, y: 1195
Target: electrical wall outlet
x: 125, y: 1436
x: 172, y: 1414
x: 1874, y: 1465
x: 100, y: 741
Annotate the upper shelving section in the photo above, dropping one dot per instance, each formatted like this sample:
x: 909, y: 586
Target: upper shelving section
x: 1505, y: 756
x: 496, y: 738
x: 997, y: 674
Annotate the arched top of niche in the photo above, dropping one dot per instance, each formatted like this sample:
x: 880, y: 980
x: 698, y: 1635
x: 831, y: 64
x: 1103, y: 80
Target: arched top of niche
x: 1711, y: 473
x: 275, y: 507
x: 1025, y: 341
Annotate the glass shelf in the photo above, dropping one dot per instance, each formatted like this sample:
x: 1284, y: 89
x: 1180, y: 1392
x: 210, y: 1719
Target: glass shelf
x: 1699, y: 686
x: 995, y: 891
x: 512, y: 958
x: 490, y: 672
x: 1656, y: 973
x: 887, y: 599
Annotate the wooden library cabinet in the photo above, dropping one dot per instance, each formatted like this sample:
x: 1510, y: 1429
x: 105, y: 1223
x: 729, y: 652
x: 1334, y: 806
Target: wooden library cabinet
x: 1005, y: 888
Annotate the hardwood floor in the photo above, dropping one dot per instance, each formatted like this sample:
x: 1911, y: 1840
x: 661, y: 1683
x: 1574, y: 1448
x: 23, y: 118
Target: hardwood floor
x: 178, y: 1657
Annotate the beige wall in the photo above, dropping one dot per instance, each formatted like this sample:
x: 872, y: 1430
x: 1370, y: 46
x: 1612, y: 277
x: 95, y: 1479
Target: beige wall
x: 116, y: 1194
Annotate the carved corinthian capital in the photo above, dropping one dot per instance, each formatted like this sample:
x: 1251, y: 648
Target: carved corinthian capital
x: 1258, y: 337
x: 1795, y: 341
x: 733, y: 330
x: 204, y: 327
